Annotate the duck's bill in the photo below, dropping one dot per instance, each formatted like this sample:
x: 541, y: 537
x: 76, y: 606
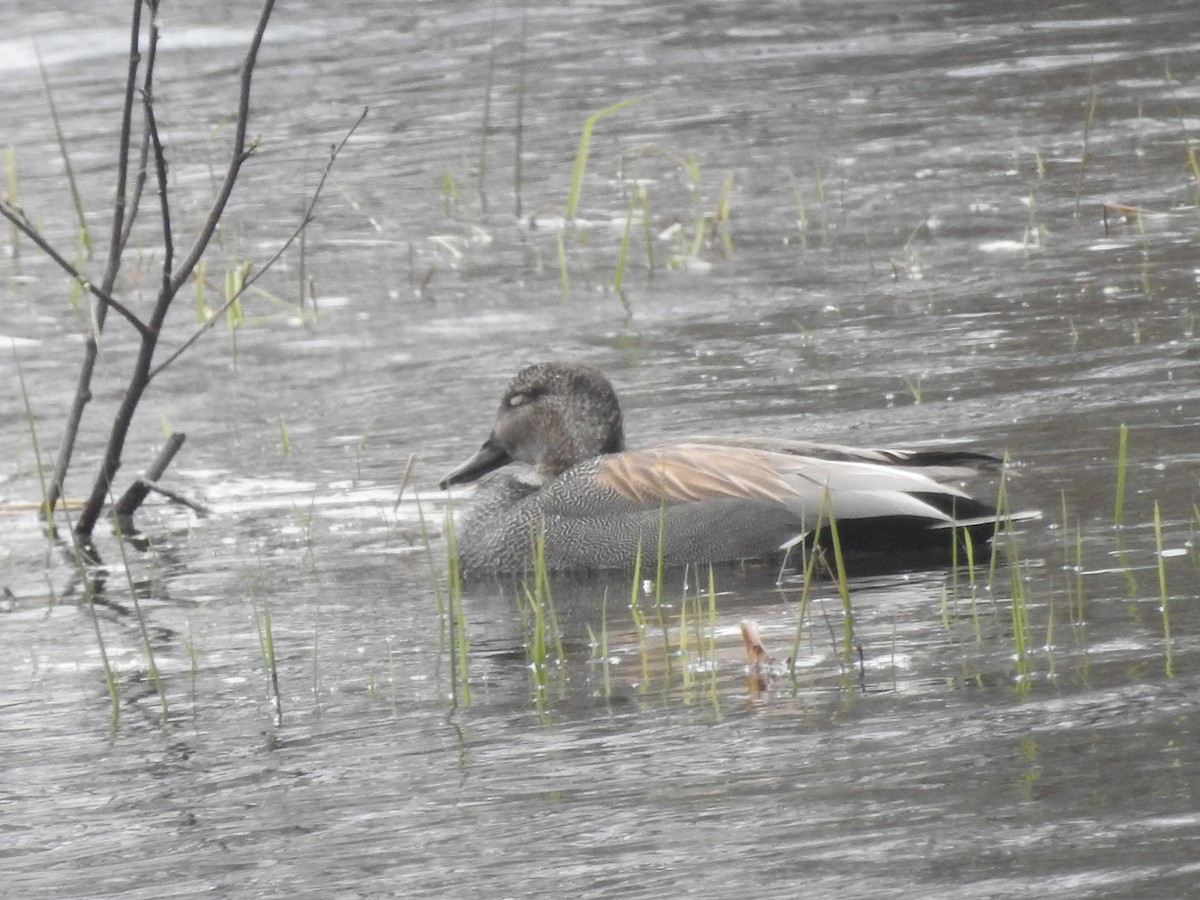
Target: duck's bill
x: 490, y: 457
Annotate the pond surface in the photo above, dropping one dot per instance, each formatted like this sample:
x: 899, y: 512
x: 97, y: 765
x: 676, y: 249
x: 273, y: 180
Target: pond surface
x: 947, y: 223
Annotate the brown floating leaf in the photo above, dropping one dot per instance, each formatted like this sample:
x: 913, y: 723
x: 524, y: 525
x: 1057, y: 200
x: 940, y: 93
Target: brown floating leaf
x: 756, y: 653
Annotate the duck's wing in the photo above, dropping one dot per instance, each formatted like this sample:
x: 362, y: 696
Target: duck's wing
x: 713, y: 503
x: 808, y: 486
x: 940, y: 463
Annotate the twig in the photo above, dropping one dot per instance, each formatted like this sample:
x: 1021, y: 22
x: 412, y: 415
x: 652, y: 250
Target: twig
x: 139, y: 186
x: 240, y: 154
x: 308, y: 217
x: 136, y: 493
x: 119, y: 199
x: 17, y: 216
x: 135, y: 200
x: 176, y: 497
x: 164, y: 204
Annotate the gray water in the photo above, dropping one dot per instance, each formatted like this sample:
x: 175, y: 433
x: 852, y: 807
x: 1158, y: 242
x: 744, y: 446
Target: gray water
x: 919, y: 254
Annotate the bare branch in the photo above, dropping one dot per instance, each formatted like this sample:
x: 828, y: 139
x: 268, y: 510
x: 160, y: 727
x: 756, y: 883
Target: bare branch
x: 309, y: 215
x: 204, y: 328
x: 119, y: 200
x: 240, y: 155
x: 175, y: 497
x: 334, y: 152
x: 139, y: 185
x: 135, y: 199
x: 83, y: 388
x: 17, y: 216
x: 132, y: 499
x: 164, y: 203
x: 139, y: 379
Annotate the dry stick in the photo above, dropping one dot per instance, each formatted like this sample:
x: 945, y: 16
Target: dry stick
x: 134, y: 496
x: 176, y: 497
x: 248, y: 282
x: 83, y: 389
x: 172, y: 281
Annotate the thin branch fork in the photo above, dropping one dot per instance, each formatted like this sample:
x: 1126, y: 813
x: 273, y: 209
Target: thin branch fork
x: 248, y: 282
x: 164, y: 203
x: 240, y: 154
x: 175, y: 273
x: 139, y: 380
x: 136, y: 493
x: 119, y: 235
x: 129, y: 502
x: 17, y: 216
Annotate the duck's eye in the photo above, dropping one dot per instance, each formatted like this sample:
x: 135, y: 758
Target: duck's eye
x: 524, y: 397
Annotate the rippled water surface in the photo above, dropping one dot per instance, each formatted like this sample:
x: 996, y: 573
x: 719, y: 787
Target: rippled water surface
x: 947, y: 222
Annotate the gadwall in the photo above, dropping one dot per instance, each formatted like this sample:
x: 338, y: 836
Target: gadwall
x: 595, y: 505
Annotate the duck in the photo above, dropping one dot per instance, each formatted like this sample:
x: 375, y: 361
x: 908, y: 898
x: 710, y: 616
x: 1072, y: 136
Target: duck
x: 587, y: 502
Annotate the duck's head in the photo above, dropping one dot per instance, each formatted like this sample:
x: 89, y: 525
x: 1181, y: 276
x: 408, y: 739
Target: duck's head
x: 552, y: 416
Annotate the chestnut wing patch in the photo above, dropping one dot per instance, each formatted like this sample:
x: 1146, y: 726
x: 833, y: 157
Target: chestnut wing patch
x: 690, y: 473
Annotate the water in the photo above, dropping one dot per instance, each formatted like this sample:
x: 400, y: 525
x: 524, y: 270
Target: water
x: 916, y: 215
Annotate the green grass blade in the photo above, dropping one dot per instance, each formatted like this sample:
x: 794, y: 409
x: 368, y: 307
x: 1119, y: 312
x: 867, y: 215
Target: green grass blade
x: 1162, y: 590
x: 581, y: 152
x: 85, y: 237
x: 47, y: 512
x: 623, y: 253
x: 1122, y: 458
